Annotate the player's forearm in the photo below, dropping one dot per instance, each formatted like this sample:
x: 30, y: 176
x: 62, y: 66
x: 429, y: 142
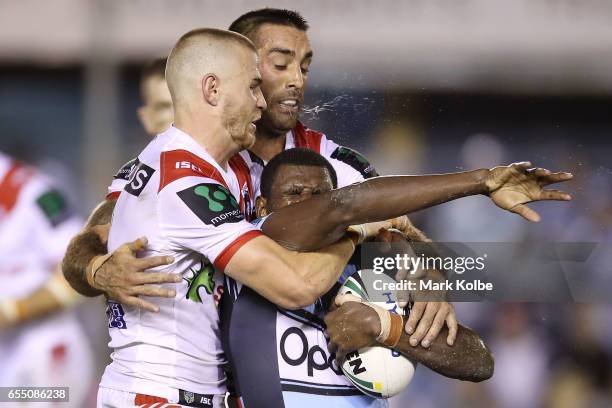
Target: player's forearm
x: 468, y: 359
x: 88, y: 244
x: 317, y: 272
x: 323, y: 219
x: 51, y: 297
x: 383, y: 198
x: 299, y: 232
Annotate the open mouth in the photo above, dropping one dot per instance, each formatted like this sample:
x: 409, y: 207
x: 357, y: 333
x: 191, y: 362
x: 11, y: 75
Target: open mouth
x: 253, y: 124
x: 289, y: 105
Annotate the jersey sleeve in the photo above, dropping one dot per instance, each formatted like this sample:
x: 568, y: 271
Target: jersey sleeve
x: 55, y: 219
x: 351, y: 166
x: 201, y: 214
x: 121, y: 179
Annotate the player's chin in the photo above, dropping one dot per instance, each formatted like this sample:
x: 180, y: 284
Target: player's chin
x: 284, y: 119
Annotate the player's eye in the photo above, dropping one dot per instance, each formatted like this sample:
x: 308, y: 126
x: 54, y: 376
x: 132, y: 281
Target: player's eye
x: 295, y: 191
x: 305, y: 70
x: 280, y: 67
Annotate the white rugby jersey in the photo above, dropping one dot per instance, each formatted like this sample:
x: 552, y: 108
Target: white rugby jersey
x: 192, y: 209
x: 351, y: 167
x: 36, y: 224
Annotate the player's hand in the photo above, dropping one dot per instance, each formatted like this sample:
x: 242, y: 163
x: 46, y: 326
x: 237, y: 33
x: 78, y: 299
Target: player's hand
x: 372, y: 229
x: 412, y: 233
x: 429, y: 312
x: 350, y: 327
x: 122, y: 277
x: 427, y: 319
x: 511, y: 187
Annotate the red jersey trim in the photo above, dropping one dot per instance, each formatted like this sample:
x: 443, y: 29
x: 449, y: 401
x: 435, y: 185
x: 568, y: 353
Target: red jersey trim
x: 176, y: 164
x: 306, y: 138
x: 113, y: 195
x: 148, y: 400
x: 15, y: 178
x: 226, y: 255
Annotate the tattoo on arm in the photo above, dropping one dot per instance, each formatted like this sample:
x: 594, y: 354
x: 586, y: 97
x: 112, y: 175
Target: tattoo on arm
x: 84, y: 247
x: 102, y: 214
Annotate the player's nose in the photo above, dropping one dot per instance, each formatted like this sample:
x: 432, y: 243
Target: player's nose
x: 297, y: 78
x: 261, y: 101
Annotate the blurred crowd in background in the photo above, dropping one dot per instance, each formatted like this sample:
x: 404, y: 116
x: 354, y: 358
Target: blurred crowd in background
x: 546, y: 355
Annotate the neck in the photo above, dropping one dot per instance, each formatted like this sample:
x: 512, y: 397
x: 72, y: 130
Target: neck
x: 211, y: 135
x: 267, y: 145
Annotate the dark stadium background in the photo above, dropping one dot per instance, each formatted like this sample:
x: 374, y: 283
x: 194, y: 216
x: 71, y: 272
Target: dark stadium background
x: 516, y: 92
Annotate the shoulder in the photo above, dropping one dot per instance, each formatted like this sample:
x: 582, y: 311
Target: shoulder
x: 308, y: 138
x: 180, y: 164
x: 124, y: 171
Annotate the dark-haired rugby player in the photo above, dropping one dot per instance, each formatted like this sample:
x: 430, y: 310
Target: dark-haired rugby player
x: 279, y: 357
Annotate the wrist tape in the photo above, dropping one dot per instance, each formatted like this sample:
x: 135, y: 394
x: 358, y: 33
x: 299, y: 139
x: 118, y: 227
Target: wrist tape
x: 93, y: 267
x: 360, y: 231
x: 391, y: 324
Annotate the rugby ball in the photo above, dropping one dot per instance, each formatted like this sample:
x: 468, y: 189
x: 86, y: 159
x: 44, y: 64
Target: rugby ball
x: 378, y: 371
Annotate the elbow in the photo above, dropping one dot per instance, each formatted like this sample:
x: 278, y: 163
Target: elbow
x: 298, y: 295
x: 484, y: 370
x: 488, y: 367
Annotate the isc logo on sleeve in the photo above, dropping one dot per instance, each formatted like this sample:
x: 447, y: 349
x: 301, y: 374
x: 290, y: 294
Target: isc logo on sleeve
x: 140, y: 177
x: 187, y: 165
x: 212, y: 203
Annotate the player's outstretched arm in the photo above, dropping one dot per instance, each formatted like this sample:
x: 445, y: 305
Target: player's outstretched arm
x: 354, y: 325
x: 291, y: 280
x: 384, y: 198
x: 120, y: 275
x: 52, y: 296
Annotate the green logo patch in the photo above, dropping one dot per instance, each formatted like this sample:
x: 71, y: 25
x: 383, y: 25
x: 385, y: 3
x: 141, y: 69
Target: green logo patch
x: 356, y: 160
x: 201, y: 277
x: 212, y: 203
x: 54, y: 207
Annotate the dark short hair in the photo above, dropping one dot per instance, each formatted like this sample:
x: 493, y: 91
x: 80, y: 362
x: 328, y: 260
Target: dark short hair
x: 294, y: 157
x: 157, y: 67
x: 247, y: 24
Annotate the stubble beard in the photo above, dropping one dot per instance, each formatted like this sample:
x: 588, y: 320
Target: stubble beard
x: 268, y: 128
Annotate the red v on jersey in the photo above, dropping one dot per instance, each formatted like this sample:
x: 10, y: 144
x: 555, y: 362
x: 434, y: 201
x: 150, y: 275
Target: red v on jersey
x: 176, y: 164
x: 306, y: 138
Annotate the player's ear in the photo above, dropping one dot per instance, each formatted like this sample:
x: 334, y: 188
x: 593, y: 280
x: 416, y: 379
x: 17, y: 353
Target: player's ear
x: 260, y: 207
x: 210, y: 89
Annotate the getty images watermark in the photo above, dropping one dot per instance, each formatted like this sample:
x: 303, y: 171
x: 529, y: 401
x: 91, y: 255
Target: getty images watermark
x: 418, y: 278
x: 504, y: 272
